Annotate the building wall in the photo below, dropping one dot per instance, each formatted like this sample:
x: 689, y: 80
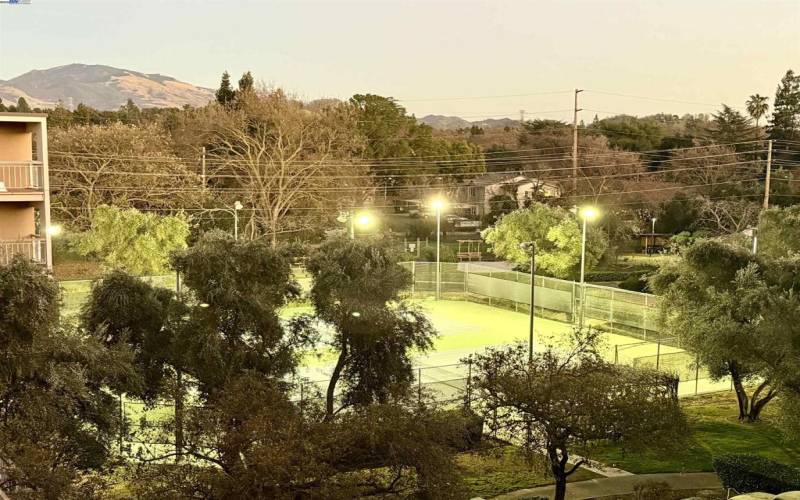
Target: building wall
x: 16, y: 142
x: 18, y: 221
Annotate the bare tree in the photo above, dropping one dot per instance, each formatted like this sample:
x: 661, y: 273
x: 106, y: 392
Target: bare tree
x: 292, y: 166
x: 728, y: 216
x: 120, y: 165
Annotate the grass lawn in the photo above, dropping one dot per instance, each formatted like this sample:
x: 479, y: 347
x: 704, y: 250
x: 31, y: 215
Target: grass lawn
x: 714, y: 430
x: 495, y: 471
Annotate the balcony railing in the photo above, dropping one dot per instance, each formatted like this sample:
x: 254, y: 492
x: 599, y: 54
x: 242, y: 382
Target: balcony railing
x: 34, y: 249
x: 21, y: 176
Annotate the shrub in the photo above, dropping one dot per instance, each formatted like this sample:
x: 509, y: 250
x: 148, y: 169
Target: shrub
x: 746, y: 473
x: 635, y: 283
x: 651, y: 490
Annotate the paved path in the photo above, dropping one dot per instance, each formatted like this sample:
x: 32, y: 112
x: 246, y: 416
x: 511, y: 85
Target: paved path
x: 618, y: 485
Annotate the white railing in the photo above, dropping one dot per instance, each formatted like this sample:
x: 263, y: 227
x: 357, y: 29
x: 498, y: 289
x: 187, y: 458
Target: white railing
x: 21, y: 175
x: 35, y: 249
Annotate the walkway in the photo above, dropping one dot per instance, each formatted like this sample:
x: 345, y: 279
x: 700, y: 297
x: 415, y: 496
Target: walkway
x: 619, y: 485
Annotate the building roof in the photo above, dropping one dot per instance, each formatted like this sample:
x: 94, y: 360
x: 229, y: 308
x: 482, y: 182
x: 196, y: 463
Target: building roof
x: 495, y: 178
x: 6, y: 116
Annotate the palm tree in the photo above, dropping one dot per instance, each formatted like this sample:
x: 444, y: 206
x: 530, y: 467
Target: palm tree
x: 757, y: 107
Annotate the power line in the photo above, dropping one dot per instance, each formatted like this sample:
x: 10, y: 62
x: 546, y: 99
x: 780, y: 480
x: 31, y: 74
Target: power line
x: 650, y: 98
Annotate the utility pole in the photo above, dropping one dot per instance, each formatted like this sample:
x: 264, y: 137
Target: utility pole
x: 769, y: 172
x: 203, y: 167
x: 575, y: 143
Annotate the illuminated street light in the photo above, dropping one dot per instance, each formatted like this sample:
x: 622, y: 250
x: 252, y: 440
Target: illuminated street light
x: 438, y: 205
x: 361, y: 219
x: 530, y: 247
x: 237, y: 205
x: 587, y: 214
x: 54, y: 229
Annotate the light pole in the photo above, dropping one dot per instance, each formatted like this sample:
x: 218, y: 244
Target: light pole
x: 586, y: 213
x: 654, y: 235
x: 362, y: 219
x: 530, y: 246
x: 237, y: 205
x: 438, y: 204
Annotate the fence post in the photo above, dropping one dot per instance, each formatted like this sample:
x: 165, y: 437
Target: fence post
x: 413, y: 276
x: 490, y: 277
x: 658, y: 353
x: 696, y: 373
x: 644, y: 319
x: 466, y: 277
x: 611, y: 312
x: 616, y: 354
x: 418, y: 248
x: 469, y: 384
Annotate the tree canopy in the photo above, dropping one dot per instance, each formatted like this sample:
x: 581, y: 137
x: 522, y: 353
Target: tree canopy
x: 557, y: 234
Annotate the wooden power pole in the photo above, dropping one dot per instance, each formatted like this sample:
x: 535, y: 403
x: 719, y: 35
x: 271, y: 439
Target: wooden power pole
x: 575, y: 143
x: 769, y: 174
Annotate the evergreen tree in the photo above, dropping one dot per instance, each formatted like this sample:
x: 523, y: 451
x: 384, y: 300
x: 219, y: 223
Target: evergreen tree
x: 22, y: 106
x: 786, y: 108
x: 2, y: 106
x: 730, y: 126
x: 225, y: 93
x: 246, y: 83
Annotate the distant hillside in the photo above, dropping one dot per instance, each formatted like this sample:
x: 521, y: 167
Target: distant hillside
x: 454, y: 122
x: 101, y: 87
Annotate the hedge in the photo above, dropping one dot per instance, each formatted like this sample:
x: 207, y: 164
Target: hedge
x: 748, y: 473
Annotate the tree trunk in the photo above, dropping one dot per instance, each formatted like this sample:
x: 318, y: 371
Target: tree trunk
x: 741, y: 393
x: 756, y: 404
x: 337, y: 372
x: 558, y: 466
x: 178, y: 415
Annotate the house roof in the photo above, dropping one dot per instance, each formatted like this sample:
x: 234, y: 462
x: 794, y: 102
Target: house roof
x: 494, y: 178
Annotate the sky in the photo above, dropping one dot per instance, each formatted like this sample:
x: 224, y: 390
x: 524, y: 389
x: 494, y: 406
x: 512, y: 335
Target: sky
x: 475, y: 59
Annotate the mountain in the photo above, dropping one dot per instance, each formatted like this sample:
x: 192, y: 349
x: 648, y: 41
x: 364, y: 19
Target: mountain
x: 101, y: 87
x: 454, y: 122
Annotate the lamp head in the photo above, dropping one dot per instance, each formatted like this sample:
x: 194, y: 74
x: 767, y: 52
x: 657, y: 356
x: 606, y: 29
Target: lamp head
x: 364, y: 219
x: 589, y: 213
x: 528, y: 246
x: 54, y: 229
x: 438, y: 204
x: 237, y: 205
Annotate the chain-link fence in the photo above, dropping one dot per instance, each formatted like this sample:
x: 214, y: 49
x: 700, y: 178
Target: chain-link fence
x: 617, y: 311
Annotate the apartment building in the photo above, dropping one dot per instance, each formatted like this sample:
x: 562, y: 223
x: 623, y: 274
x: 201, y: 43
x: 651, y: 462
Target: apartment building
x: 24, y: 188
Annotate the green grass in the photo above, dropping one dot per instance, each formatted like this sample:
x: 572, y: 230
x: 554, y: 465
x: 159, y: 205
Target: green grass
x: 492, y: 472
x: 714, y: 430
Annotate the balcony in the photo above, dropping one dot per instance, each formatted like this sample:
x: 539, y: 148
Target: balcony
x: 34, y: 249
x: 21, y: 176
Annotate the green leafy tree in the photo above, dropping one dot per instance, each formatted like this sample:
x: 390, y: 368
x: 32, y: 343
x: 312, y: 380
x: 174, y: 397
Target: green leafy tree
x: 357, y: 286
x: 225, y: 94
x: 630, y: 133
x: 140, y: 243
x: 246, y: 84
x: 757, y: 106
x: 22, y: 106
x: 566, y: 403
x: 391, y: 133
x: 236, y: 289
x: 713, y: 302
x: 779, y: 232
x: 58, y: 422
x: 557, y: 234
x: 730, y: 126
x: 786, y: 109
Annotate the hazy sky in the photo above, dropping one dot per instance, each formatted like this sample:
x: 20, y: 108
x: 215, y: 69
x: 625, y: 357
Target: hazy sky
x: 417, y: 51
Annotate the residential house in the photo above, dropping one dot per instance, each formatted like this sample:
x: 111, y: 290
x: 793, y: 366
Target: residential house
x: 484, y: 190
x: 24, y: 188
